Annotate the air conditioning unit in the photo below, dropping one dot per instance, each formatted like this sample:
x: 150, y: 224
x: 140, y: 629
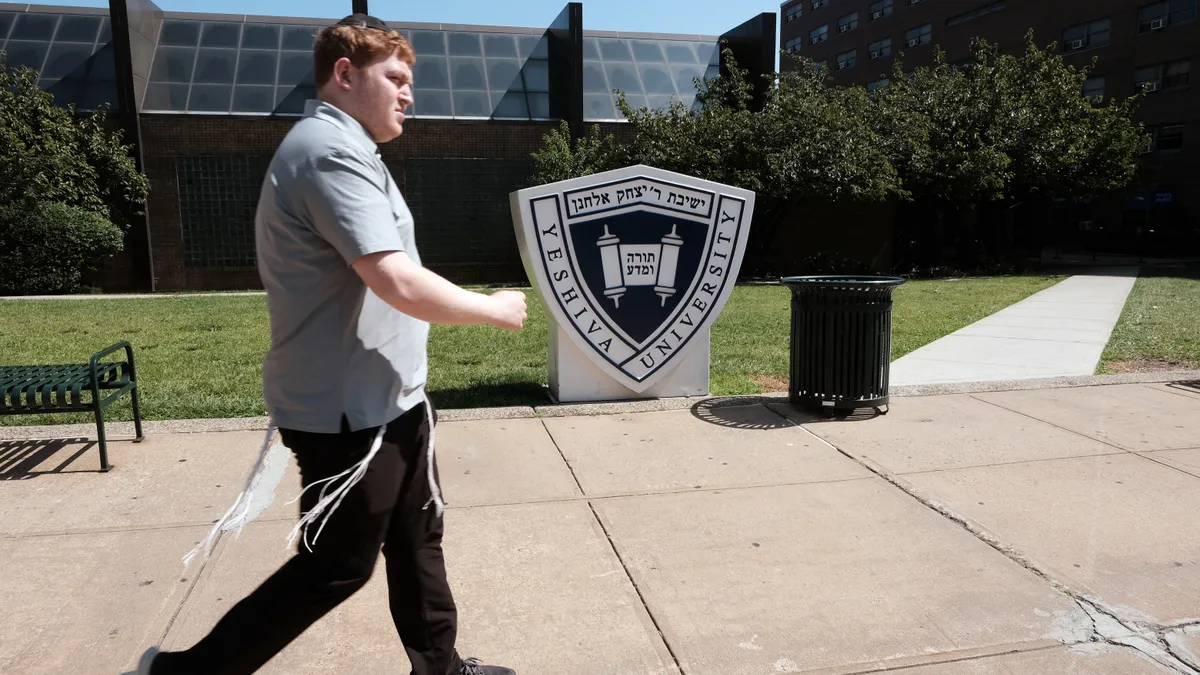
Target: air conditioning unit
x: 1151, y: 86
x: 1076, y: 44
x: 1158, y: 24
x: 877, y: 15
x: 843, y: 65
x: 876, y: 54
x: 843, y: 28
x: 914, y: 42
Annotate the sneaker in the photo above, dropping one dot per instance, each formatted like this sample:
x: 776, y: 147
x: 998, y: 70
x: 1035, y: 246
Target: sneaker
x: 474, y: 667
x: 147, y: 661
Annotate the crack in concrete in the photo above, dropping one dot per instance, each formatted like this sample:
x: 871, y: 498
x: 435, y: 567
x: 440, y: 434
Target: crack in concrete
x: 1179, y: 649
x: 1152, y: 640
x: 678, y: 667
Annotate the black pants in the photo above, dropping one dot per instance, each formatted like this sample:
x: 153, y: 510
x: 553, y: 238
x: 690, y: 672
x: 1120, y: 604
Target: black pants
x: 384, y: 508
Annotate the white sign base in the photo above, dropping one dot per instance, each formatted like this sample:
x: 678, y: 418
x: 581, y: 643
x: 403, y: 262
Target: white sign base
x: 575, y: 378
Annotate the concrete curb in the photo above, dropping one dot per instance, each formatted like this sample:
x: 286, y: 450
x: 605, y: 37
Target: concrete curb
x: 1045, y: 383
x: 122, y: 431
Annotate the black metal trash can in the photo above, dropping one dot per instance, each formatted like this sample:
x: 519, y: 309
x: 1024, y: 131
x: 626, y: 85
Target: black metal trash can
x: 841, y: 341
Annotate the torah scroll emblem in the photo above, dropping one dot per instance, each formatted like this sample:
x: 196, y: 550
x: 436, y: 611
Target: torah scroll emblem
x: 639, y: 265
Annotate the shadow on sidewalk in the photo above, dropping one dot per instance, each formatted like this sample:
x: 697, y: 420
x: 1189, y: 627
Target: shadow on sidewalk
x: 490, y: 395
x: 1192, y: 386
x: 767, y: 412
x: 749, y: 413
x: 21, y: 460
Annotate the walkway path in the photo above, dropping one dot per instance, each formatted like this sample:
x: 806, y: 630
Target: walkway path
x: 740, y: 540
x: 1058, y: 332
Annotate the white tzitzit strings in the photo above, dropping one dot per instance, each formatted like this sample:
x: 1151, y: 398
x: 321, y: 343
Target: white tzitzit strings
x: 332, y: 500
x: 269, y: 469
x: 254, y: 498
x: 434, y: 491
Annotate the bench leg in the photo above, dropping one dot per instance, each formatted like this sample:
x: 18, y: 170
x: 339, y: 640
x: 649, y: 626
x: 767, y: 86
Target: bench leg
x: 104, y: 465
x: 137, y: 416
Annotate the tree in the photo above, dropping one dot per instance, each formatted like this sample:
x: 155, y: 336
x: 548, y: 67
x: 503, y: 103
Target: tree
x: 53, y: 154
x: 997, y: 131
x: 947, y: 138
x: 68, y: 187
x: 1060, y: 141
x: 941, y: 133
x: 1005, y: 127
x: 47, y: 246
x: 810, y: 141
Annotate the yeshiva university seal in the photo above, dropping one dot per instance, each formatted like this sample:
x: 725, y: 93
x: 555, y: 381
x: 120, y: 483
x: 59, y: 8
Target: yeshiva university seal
x: 633, y: 265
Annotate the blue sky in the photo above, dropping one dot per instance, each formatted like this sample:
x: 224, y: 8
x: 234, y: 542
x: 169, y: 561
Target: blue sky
x: 704, y: 17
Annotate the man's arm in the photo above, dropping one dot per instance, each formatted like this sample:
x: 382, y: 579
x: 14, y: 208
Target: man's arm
x: 424, y: 295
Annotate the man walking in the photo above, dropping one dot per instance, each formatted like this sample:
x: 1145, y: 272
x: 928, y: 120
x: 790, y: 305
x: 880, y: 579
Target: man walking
x: 344, y: 381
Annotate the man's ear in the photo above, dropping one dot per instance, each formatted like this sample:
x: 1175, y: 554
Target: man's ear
x: 342, y: 70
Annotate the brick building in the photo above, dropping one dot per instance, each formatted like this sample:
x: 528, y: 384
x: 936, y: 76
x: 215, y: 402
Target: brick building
x: 206, y: 99
x: 1137, y: 44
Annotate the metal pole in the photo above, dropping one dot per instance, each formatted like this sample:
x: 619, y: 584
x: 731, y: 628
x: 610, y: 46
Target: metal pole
x: 138, y: 239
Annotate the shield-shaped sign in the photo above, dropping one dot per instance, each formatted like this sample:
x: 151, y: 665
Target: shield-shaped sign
x: 634, y: 263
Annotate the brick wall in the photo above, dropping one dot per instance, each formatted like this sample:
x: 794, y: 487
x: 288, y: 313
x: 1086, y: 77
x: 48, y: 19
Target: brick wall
x: 205, y: 172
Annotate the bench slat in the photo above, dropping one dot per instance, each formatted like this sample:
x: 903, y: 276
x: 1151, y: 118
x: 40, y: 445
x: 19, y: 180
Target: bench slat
x: 44, y: 388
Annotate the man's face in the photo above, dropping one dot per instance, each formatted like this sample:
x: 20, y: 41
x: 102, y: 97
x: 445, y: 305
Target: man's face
x: 381, y: 92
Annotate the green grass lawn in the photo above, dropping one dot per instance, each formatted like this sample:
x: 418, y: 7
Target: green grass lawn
x: 1159, y: 328
x: 750, y: 338
x: 202, y: 356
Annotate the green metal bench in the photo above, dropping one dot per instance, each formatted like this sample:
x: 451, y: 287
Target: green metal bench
x: 75, y: 387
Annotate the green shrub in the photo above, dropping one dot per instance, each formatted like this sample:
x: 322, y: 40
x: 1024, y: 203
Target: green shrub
x: 54, y: 154
x: 46, y: 248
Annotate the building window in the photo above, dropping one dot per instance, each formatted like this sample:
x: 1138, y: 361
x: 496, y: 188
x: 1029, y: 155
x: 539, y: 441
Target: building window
x: 910, y: 3
x: 1147, y: 79
x: 975, y: 13
x: 921, y: 35
x: 847, y: 59
x: 819, y: 34
x: 878, y: 50
x: 1086, y: 35
x: 1167, y: 137
x: 792, y: 46
x: 1178, y: 74
x: 818, y: 4
x: 1165, y: 76
x: 1093, y: 87
x: 848, y: 23
x: 877, y: 84
x: 1168, y: 13
x: 794, y: 12
x: 881, y: 9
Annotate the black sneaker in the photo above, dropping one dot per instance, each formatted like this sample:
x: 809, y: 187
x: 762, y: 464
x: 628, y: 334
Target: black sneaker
x: 474, y: 667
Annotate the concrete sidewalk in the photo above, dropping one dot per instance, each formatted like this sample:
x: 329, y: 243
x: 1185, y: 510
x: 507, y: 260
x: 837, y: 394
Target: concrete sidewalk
x: 1060, y: 331
x: 1036, y: 532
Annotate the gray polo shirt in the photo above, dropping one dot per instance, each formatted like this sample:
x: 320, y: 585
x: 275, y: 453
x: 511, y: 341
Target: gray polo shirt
x: 336, y: 348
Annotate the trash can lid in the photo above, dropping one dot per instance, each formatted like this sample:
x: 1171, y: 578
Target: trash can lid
x: 842, y: 280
